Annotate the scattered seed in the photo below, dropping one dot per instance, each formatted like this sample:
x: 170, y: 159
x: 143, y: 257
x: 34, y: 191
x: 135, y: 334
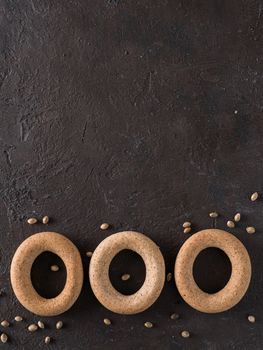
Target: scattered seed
x: 104, y: 226
x: 107, y: 322
x: 59, y: 324
x: 230, y: 224
x: 32, y: 328
x: 54, y: 268
x: 185, y: 334
x: 237, y: 217
x: 5, y: 323
x: 4, y: 338
x: 187, y: 230
x: 251, y: 318
x: 148, y: 324
x: 89, y: 254
x: 169, y: 276
x: 45, y: 220
x: 213, y: 215
x: 47, y: 340
x: 186, y: 224
x: 250, y: 229
x: 41, y: 324
x: 125, y: 277
x: 235, y: 112
x: 174, y: 316
x: 254, y: 196
x: 18, y: 318
x: 32, y: 221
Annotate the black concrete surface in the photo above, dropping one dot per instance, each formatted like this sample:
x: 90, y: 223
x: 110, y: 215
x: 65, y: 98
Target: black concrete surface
x: 142, y: 114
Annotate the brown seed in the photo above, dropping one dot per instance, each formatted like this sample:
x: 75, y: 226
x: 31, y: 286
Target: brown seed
x: 169, y: 276
x: 250, y: 229
x: 18, y: 318
x: 5, y: 323
x: 107, y: 322
x: 148, y: 324
x: 174, y: 317
x: 104, y: 226
x: 254, y: 196
x: 230, y: 224
x: 125, y: 277
x: 45, y: 220
x: 4, y: 338
x: 32, y: 221
x: 89, y: 254
x: 47, y: 340
x: 251, y: 318
x: 185, y: 334
x: 187, y: 230
x: 213, y: 215
x: 41, y: 324
x: 59, y: 324
x: 186, y: 224
x: 54, y: 268
x: 237, y: 217
x: 32, y: 328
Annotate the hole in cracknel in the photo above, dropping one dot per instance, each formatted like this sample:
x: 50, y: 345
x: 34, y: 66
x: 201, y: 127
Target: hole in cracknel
x: 47, y: 283
x: 212, y: 270
x: 127, y: 262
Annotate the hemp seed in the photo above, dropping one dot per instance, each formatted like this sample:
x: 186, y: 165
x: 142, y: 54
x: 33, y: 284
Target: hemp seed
x: 186, y: 224
x: 187, y: 230
x: 213, y: 215
x: 4, y: 338
x: 237, y: 217
x: 32, y: 221
x: 54, y: 268
x: 250, y: 229
x: 148, y: 324
x: 251, y: 319
x: 169, y: 276
x: 230, y: 224
x: 59, y: 325
x: 185, y: 334
x: 41, y: 324
x: 45, y: 220
x: 254, y: 196
x: 5, y: 323
x: 18, y: 318
x: 125, y: 277
x: 104, y: 226
x: 107, y: 322
x: 47, y: 340
x: 174, y: 316
x: 32, y: 327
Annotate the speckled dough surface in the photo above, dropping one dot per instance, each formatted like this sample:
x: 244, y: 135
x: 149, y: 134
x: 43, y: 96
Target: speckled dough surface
x: 21, y: 266
x: 99, y: 272
x: 238, y: 283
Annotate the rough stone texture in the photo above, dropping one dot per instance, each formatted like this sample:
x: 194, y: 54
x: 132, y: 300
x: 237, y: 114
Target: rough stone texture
x: 100, y: 281
x: 124, y: 112
x: 238, y: 283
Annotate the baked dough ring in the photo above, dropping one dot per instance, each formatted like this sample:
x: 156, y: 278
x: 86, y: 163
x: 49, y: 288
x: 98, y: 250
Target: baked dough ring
x: 238, y: 283
x: 99, y: 272
x: 21, y: 266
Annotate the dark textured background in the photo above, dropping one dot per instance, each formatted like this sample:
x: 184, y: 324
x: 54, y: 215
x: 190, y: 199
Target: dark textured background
x: 124, y: 112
